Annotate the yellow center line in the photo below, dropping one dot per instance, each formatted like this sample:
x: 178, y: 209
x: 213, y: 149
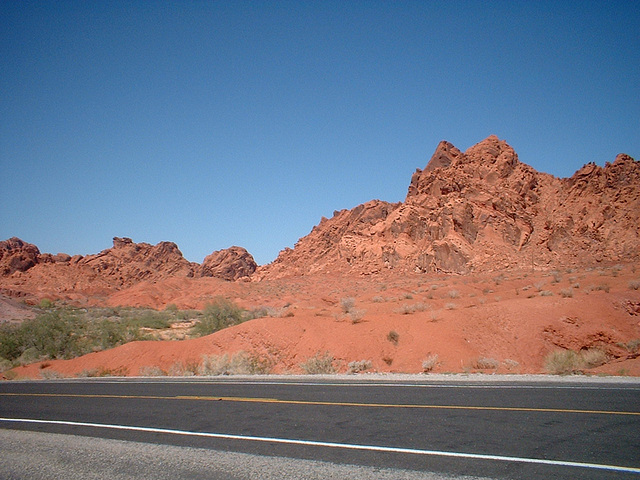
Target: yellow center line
x: 321, y: 403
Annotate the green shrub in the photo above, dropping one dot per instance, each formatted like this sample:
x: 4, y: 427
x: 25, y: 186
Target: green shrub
x: 218, y: 315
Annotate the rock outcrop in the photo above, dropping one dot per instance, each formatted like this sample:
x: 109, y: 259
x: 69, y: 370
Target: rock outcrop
x: 476, y: 211
x: 229, y: 264
x: 25, y: 272
x: 17, y: 256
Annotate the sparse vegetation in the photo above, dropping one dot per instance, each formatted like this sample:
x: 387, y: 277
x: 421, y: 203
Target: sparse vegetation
x: 393, y: 337
x: 634, y: 284
x: 408, y: 308
x: 359, y: 366
x: 485, y: 363
x: 240, y: 363
x: 347, y: 304
x: 453, y: 294
x: 565, y: 362
x: 430, y: 362
x: 566, y: 293
x: 319, y: 364
x: 222, y: 313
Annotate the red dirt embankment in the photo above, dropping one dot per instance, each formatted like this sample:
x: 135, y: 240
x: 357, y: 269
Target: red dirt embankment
x: 504, y: 322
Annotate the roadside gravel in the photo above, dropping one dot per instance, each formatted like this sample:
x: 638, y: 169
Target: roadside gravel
x: 46, y: 456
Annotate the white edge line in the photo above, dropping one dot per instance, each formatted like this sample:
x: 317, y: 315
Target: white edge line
x: 373, y: 448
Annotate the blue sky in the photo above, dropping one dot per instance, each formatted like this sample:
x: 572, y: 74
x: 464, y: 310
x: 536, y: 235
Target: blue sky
x: 213, y: 124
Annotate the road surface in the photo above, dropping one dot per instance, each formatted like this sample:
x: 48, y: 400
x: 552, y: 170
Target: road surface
x: 507, y: 429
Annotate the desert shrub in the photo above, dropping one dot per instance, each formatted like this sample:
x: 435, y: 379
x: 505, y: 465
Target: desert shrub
x: 320, y: 363
x: 604, y: 287
x: 510, y: 364
x: 393, y: 337
x: 454, y: 293
x: 356, y: 315
x: 429, y: 363
x: 152, y: 371
x: 151, y: 319
x: 450, y: 306
x: 187, y: 368
x: 347, y: 304
x: 121, y: 371
x: 240, y: 363
x: 265, y: 311
x: 564, y: 362
x: 377, y: 299
x: 5, y: 365
x: 222, y: 313
x: 408, y: 309
x: 546, y: 293
x: 633, y: 345
x: 359, y: 366
x: 45, y: 304
x: 485, y: 363
x: 593, y: 357
x: 566, y: 293
x: 634, y: 284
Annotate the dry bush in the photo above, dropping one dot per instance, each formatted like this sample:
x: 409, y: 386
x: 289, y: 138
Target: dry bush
x: 510, y: 364
x: 565, y: 362
x: 347, y: 304
x: 566, y: 293
x: 359, y: 366
x: 393, y: 337
x: 593, y: 357
x: 450, y: 306
x: 320, y: 363
x: 356, y: 315
x: 634, y: 284
x: 408, y: 309
x: 430, y: 362
x: 152, y: 371
x: 240, y: 363
x: 485, y: 363
x: 453, y: 294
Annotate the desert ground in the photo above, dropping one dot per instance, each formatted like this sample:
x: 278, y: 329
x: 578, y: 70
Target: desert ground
x: 505, y: 322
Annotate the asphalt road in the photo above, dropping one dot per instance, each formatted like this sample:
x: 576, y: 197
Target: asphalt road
x: 510, y: 429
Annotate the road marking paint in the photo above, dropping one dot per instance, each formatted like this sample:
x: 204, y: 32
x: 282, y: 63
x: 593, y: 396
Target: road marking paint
x: 348, y: 446
x: 325, y: 403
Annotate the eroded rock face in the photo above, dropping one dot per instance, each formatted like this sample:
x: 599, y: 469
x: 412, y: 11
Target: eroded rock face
x: 229, y: 264
x: 128, y: 262
x: 480, y: 210
x: 17, y: 256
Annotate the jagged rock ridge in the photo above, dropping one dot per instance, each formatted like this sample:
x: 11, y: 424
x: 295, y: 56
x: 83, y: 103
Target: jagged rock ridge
x: 26, y: 270
x: 480, y: 210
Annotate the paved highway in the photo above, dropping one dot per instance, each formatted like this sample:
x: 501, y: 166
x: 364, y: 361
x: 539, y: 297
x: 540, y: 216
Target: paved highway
x: 509, y: 429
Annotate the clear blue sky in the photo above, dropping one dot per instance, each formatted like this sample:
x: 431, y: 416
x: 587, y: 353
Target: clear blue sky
x: 213, y: 124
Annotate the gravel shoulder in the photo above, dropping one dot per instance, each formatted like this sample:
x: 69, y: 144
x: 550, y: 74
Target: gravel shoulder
x: 45, y: 456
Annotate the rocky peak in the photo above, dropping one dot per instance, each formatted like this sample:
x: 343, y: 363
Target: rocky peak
x: 478, y: 210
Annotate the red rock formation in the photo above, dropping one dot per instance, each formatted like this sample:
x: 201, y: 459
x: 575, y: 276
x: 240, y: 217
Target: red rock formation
x: 17, y: 256
x: 229, y: 264
x: 480, y: 210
